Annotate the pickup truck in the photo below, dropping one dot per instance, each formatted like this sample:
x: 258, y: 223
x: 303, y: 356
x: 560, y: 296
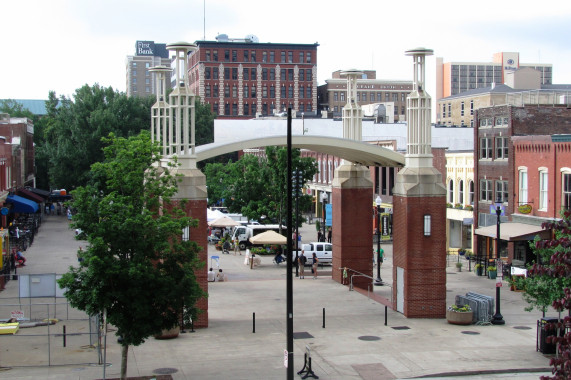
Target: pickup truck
x: 323, y: 251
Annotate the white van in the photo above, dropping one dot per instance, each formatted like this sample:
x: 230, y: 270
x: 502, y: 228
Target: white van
x: 323, y: 252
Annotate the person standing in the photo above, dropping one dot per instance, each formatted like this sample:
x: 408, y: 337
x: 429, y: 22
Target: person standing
x: 236, y: 246
x: 314, y: 265
x: 329, y: 235
x: 319, y: 235
x: 301, y: 261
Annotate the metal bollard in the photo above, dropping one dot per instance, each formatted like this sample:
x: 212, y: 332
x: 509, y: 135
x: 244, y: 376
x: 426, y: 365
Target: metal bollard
x: 323, y: 317
x: 385, y: 315
x: 253, y: 323
x: 63, y: 334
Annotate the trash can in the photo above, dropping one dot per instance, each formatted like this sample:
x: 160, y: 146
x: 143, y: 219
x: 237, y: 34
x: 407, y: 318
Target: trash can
x: 543, y: 333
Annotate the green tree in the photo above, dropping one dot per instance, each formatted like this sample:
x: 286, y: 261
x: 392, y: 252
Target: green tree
x: 136, y: 269
x: 550, y: 281
x: 15, y: 109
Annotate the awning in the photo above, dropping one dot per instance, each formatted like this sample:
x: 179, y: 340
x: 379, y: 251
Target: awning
x: 29, y: 195
x: 512, y: 231
x: 42, y: 193
x: 22, y: 205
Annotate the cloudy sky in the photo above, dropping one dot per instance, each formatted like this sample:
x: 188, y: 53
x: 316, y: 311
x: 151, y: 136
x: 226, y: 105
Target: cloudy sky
x: 61, y: 45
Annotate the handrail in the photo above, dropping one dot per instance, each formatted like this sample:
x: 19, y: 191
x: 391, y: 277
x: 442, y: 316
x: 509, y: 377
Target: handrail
x: 359, y: 274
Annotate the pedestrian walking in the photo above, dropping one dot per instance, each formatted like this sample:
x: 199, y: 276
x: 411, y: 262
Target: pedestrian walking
x: 314, y: 265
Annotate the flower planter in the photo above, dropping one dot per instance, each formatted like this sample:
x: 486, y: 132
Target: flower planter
x: 169, y: 334
x: 479, y: 271
x: 492, y: 274
x: 459, y: 317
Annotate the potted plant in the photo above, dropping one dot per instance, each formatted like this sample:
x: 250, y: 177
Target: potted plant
x: 459, y: 266
x: 469, y: 208
x: 479, y: 269
x: 492, y: 272
x: 459, y: 314
x: 461, y: 251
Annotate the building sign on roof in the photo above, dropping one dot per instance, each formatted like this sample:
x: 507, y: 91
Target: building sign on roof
x: 145, y: 48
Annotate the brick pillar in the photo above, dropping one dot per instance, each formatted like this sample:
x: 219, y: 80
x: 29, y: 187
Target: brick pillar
x: 352, y: 232
x: 421, y: 259
x: 191, y: 197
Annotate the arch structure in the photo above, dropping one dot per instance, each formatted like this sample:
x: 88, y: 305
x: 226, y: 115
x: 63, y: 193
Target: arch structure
x: 355, y: 151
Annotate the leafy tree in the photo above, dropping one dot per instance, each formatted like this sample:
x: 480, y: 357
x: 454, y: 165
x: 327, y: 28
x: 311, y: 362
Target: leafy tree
x: 256, y: 186
x: 550, y: 281
x: 15, y: 109
x: 136, y: 269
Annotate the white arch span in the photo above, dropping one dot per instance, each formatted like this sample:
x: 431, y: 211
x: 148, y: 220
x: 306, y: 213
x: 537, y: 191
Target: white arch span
x: 355, y: 151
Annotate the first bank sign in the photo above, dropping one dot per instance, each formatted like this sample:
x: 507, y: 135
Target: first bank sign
x: 145, y: 48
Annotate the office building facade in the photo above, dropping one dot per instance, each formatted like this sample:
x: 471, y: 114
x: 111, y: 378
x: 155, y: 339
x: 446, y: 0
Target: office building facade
x: 243, y: 78
x: 139, y: 81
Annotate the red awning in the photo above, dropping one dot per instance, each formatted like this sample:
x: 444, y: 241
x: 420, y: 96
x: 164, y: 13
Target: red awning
x: 29, y: 195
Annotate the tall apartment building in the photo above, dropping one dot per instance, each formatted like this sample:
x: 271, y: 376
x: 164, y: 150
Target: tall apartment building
x: 243, y: 78
x: 453, y: 78
x: 370, y: 90
x: 139, y: 81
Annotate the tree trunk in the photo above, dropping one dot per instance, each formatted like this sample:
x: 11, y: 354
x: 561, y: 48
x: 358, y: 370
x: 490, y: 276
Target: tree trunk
x: 124, y: 354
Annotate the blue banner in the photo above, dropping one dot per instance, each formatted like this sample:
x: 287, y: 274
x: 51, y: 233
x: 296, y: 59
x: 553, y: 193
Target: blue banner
x: 328, y: 214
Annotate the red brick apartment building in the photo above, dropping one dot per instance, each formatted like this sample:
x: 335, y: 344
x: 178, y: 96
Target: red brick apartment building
x: 518, y: 163
x: 242, y: 78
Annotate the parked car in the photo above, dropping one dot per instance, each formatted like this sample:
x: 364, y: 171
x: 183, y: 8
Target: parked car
x: 323, y: 251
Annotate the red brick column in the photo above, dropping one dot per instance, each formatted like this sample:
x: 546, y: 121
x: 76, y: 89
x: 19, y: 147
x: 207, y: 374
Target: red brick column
x: 352, y: 230
x: 423, y: 258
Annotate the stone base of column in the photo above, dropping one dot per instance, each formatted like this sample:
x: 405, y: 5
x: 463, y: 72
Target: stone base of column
x: 421, y: 258
x: 352, y: 230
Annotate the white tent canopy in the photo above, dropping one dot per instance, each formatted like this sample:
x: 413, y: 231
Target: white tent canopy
x: 268, y: 237
x: 212, y: 215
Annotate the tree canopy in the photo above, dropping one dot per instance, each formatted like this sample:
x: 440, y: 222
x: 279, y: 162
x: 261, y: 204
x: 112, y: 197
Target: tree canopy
x: 136, y: 267
x: 257, y: 186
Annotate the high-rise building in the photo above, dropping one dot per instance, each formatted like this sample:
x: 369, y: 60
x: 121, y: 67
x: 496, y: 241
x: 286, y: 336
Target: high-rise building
x: 453, y: 78
x: 243, y: 78
x: 139, y: 81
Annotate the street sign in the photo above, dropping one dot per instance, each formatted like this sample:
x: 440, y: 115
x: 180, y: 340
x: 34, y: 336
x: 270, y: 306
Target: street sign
x: 285, y: 358
x: 17, y: 314
x: 498, y: 282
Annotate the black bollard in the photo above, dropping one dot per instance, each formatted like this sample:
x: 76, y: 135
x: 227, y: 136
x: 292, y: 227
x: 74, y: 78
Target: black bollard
x: 63, y: 335
x: 253, y: 323
x: 385, y: 315
x: 323, y: 318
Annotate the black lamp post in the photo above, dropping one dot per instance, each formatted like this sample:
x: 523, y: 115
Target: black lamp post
x: 378, y: 280
x: 323, y: 204
x: 497, y: 319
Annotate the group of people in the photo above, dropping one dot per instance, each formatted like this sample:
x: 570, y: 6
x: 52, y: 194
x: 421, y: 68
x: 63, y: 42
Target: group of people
x: 216, y: 276
x: 321, y: 236
x: 302, y: 260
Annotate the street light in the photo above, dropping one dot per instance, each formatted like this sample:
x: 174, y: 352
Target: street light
x: 497, y: 319
x: 297, y: 179
x: 378, y: 280
x: 323, y: 203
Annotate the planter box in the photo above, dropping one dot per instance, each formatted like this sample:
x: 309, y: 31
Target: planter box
x: 492, y: 274
x: 459, y: 317
x: 169, y: 334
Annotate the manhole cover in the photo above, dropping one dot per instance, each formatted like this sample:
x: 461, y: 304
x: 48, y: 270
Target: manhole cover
x: 470, y: 332
x: 165, y: 371
x: 369, y: 337
x: 522, y: 327
x: 400, y: 328
x: 450, y: 273
x: 302, y: 335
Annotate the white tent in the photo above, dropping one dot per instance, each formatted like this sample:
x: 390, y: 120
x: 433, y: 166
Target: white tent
x: 212, y: 215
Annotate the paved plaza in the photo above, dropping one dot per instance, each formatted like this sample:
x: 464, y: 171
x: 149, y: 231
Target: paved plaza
x: 344, y: 330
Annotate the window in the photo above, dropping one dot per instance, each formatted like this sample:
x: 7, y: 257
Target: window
x: 283, y: 56
x: 342, y: 96
x: 234, y: 109
x: 215, y: 73
x: 308, y: 75
x: 226, y: 73
x: 216, y: 108
x: 226, y: 109
x: 207, y: 73
x: 283, y: 92
x: 272, y: 74
x: 502, y: 148
x: 335, y: 96
x: 543, y: 189
x: 462, y: 109
x: 566, y: 181
x: 227, y: 91
x: 265, y: 109
x: 253, y: 93
x: 308, y: 92
x: 502, y: 191
x: 253, y: 76
x: 253, y: 55
x: 379, y: 96
x: 471, y: 107
x: 234, y: 73
x: 272, y: 56
x: 207, y: 91
x: 471, y: 192
x: 290, y: 92
x: 358, y: 96
x: 264, y: 74
x: 215, y: 92
x: 246, y: 59
x: 307, y: 57
x: 215, y: 56
x: 283, y: 74
x: 290, y: 74
x: 265, y: 92
x: 290, y: 56
x: 301, y: 75
x: 207, y: 56
x: 300, y: 57
x: 246, y: 74
x: 451, y: 191
x: 234, y: 91
x: 461, y: 192
x: 443, y: 110
x: 449, y: 110
x: 272, y: 92
x: 300, y: 92
x: 364, y: 97
x: 486, y: 148
x: 246, y: 109
x: 245, y: 93
x: 226, y: 55
x: 522, y: 186
x: 264, y: 56
x: 234, y: 55
x: 254, y: 109
x: 486, y: 190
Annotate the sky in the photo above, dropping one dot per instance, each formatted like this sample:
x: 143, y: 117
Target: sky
x: 61, y: 45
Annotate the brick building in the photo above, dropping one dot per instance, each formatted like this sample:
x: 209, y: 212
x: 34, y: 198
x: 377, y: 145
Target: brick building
x: 242, y: 78
x: 496, y: 173
x: 370, y: 90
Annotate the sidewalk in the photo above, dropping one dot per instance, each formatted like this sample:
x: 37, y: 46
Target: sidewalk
x: 354, y: 343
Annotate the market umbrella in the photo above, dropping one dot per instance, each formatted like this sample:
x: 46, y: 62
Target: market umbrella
x: 268, y: 237
x: 223, y: 221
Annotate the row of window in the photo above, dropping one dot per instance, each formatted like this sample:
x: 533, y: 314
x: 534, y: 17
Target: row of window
x: 326, y: 169
x: 543, y: 188
x: 487, y: 149
x: 395, y: 112
x: 488, y: 122
x: 370, y: 96
x: 251, y: 73
x: 247, y: 109
x: 461, y: 192
x: 231, y: 55
x: 147, y: 80
x: 251, y: 91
